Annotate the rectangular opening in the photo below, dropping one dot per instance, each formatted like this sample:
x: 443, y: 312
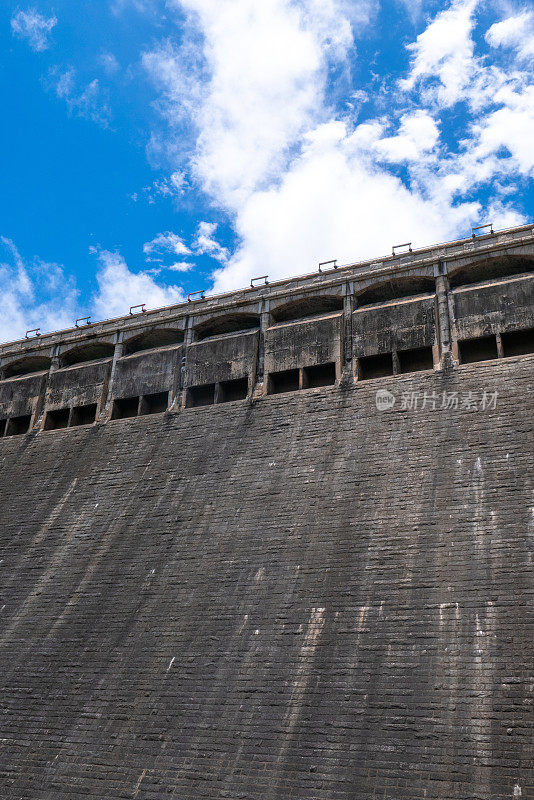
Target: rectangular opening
x: 379, y: 366
x: 481, y: 349
x: 83, y: 415
x: 16, y: 426
x: 285, y: 381
x: 518, y: 343
x: 154, y: 403
x: 57, y: 419
x: 125, y: 407
x: 201, y: 395
x: 416, y: 360
x: 233, y: 390
x: 319, y: 375
x: 2, y: 426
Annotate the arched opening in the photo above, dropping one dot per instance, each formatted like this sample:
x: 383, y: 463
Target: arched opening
x: 27, y: 366
x: 95, y: 351
x: 396, y: 289
x: 229, y: 323
x: 491, y: 269
x: 151, y: 339
x: 306, y: 307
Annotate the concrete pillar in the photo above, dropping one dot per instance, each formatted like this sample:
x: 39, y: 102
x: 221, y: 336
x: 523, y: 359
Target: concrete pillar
x: 500, y: 350
x: 181, y: 372
x: 38, y: 414
x: 443, y: 314
x: 189, y: 332
x: 396, y: 362
x: 106, y: 401
x: 347, y: 359
x: 259, y: 378
x: 175, y: 397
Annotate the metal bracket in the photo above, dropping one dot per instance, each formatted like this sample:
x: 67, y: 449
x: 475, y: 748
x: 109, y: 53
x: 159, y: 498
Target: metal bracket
x: 35, y: 331
x: 325, y: 263
x: 480, y: 228
x: 141, y: 306
x: 396, y: 247
x: 260, y: 278
x: 191, y: 295
x: 87, y: 321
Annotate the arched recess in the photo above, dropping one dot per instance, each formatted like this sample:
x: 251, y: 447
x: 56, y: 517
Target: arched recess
x: 93, y: 351
x: 305, y: 307
x: 395, y: 289
x: 26, y: 366
x: 490, y: 269
x: 152, y: 338
x: 226, y: 323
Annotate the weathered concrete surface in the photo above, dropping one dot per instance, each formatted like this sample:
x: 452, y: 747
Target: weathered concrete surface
x: 145, y: 373
x: 300, y: 598
x: 83, y: 383
x: 20, y: 395
x: 296, y: 344
x: 419, y: 310
x: 492, y: 307
x: 396, y: 325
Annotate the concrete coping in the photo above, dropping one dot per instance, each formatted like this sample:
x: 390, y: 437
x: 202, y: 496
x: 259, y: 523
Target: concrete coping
x: 483, y: 245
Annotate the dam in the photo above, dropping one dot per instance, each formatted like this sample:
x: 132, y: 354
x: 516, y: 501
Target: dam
x: 277, y: 544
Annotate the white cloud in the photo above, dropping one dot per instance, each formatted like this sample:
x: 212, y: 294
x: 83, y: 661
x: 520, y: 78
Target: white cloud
x: 173, y: 187
x: 511, y: 126
x: 418, y: 133
x: 515, y: 32
x: 141, y: 6
x: 119, y: 288
x: 34, y: 27
x: 177, y: 71
x: 37, y: 294
x: 181, y: 266
x: 254, y: 125
x: 170, y: 244
x: 109, y: 63
x: 258, y: 100
x: 33, y: 294
x: 87, y: 102
x: 299, y: 182
x: 163, y: 244
x: 413, y: 7
x: 205, y: 244
x: 334, y: 203
x: 444, y: 51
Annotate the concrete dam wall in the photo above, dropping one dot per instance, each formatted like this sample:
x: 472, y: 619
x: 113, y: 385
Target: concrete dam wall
x: 287, y: 559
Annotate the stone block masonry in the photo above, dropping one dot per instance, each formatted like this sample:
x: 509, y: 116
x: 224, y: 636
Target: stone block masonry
x: 318, y: 586
x: 309, y: 598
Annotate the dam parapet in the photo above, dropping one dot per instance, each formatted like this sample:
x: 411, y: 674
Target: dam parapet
x: 430, y: 309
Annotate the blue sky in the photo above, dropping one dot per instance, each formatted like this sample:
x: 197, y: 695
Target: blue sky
x: 151, y: 147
